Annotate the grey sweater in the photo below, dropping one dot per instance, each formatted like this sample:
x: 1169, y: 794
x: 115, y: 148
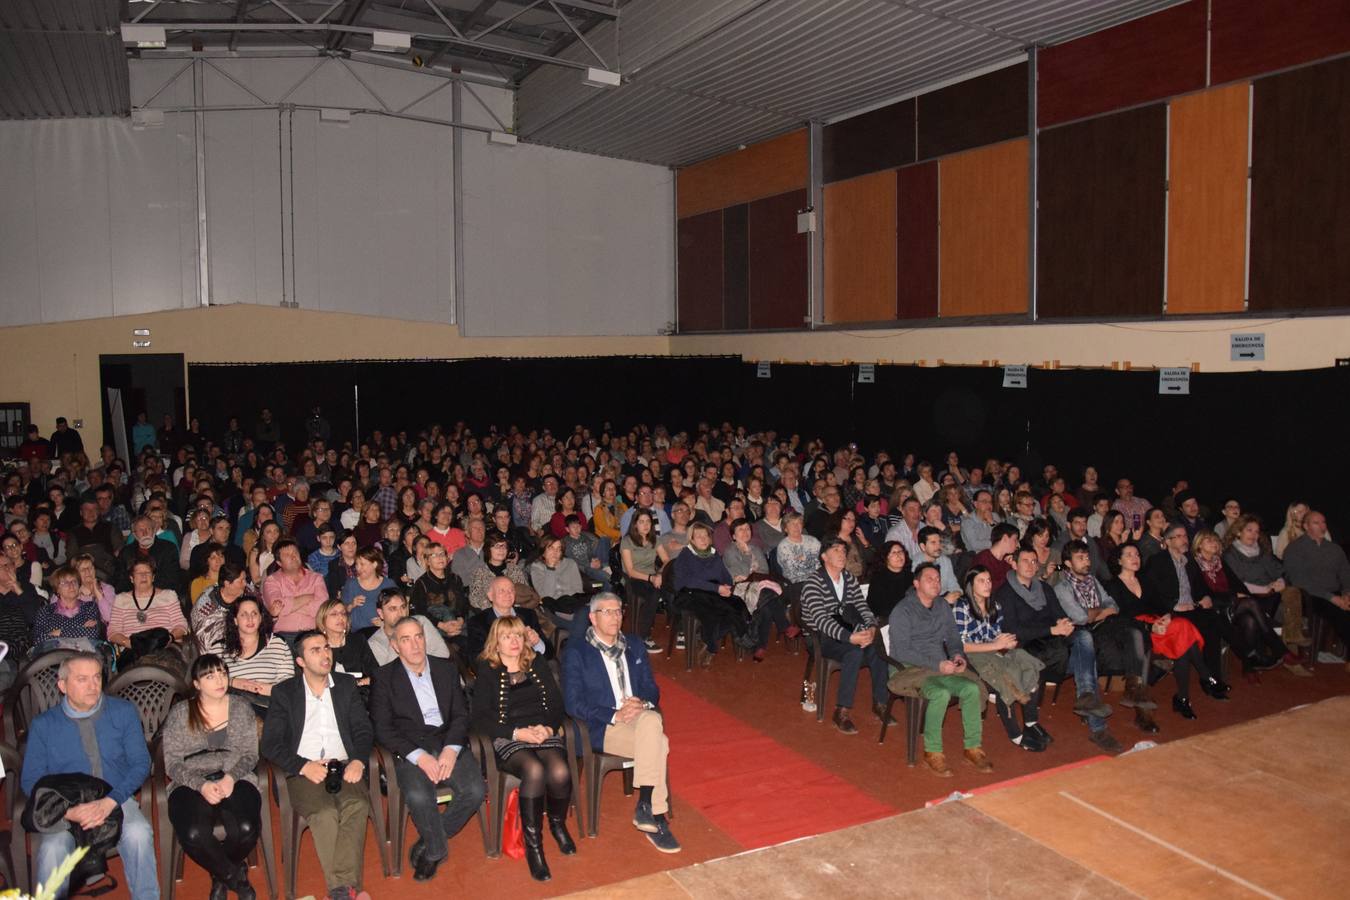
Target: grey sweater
x: 1320, y: 569
x: 918, y: 632
x: 237, y: 758
x: 1261, y: 569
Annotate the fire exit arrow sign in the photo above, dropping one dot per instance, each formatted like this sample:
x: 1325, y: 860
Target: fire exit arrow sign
x: 1247, y: 347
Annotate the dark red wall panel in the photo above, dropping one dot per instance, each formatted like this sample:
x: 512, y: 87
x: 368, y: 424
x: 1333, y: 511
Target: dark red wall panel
x: 880, y: 139
x: 736, y: 267
x: 1145, y: 59
x: 779, y: 274
x: 699, y: 270
x: 1102, y: 216
x: 1300, y: 228
x: 916, y: 259
x: 1250, y: 37
x: 973, y: 113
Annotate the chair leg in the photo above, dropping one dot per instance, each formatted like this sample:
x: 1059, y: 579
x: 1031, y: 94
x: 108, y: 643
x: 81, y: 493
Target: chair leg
x: 690, y: 639
x: 291, y: 839
x: 378, y: 816
x: 822, y: 685
x: 914, y: 710
x: 593, y: 796
x: 886, y: 719
x: 1054, y: 697
x: 169, y: 853
x: 267, y: 861
x: 807, y: 673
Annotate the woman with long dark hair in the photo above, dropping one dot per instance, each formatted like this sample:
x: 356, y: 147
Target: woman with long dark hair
x: 210, y: 749
x: 256, y: 658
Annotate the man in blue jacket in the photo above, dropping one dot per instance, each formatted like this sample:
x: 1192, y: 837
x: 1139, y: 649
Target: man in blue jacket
x: 100, y: 736
x: 608, y: 684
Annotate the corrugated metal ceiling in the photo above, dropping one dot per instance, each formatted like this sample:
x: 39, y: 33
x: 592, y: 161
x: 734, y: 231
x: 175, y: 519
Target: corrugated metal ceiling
x: 61, y: 59
x: 702, y: 77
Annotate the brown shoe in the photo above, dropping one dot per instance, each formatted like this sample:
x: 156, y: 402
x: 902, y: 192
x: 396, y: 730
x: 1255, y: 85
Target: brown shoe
x: 879, y: 710
x: 937, y: 764
x: 977, y: 758
x: 843, y: 722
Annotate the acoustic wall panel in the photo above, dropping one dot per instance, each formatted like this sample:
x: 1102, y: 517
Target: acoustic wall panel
x: 973, y: 113
x: 1145, y: 59
x: 736, y: 267
x: 860, y: 249
x: 1207, y: 201
x: 1301, y: 189
x: 699, y: 270
x: 779, y: 271
x: 761, y: 170
x: 985, y: 217
x: 876, y: 140
x: 917, y: 241
x: 1102, y: 209
x: 1249, y: 37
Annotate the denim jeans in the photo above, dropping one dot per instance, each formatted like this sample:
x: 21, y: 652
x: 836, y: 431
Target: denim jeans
x: 435, y: 826
x: 1083, y: 665
x: 136, y: 847
x: 851, y: 658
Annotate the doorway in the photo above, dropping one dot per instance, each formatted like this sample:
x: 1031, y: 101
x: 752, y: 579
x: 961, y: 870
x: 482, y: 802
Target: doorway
x: 150, y: 383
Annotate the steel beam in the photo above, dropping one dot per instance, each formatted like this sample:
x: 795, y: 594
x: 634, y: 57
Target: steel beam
x: 199, y: 147
x: 457, y: 187
x: 816, y: 240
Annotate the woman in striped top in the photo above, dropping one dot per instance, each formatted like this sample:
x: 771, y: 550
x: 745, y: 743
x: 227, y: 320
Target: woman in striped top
x: 256, y: 658
x: 145, y: 607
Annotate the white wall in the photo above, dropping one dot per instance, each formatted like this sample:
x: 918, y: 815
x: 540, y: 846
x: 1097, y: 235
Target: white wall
x: 99, y: 219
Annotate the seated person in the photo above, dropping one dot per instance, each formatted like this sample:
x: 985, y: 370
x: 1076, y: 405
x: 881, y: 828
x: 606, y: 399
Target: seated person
x: 924, y: 637
x: 833, y: 607
x: 502, y: 602
x: 88, y: 733
x: 643, y: 558
x: 145, y: 607
x: 1316, y: 565
x: 351, y: 654
x: 208, y: 615
x: 519, y: 708
x: 67, y: 621
x: 996, y: 557
x: 608, y: 685
x: 145, y: 546
x: 390, y: 609
x: 293, y: 593
x: 421, y: 717
x: 1119, y: 640
x: 584, y: 549
x: 1172, y: 637
x: 1254, y: 640
x: 1173, y: 583
x: 92, y: 587
x: 891, y: 580
x: 210, y: 750
x: 317, y: 720
x: 497, y: 564
x: 469, y: 557
x: 440, y: 595
x: 1011, y: 672
x: 556, y: 579
x: 930, y: 551
x: 1249, y: 555
x: 361, y: 592
x: 326, y: 553
x: 256, y: 658
x: 703, y: 588
x: 752, y: 583
x: 1032, y: 613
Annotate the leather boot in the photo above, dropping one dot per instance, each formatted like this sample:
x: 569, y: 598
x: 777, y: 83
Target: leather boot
x: 1137, y: 694
x: 557, y: 824
x: 532, y: 831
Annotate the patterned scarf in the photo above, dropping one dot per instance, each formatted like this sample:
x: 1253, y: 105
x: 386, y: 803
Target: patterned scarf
x: 615, y: 654
x: 1085, y: 590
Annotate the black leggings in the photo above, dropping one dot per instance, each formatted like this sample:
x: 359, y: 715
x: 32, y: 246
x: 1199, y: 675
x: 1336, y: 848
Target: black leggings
x: 539, y: 771
x: 768, y: 613
x: 1257, y: 641
x: 1031, y: 712
x: 194, y: 820
x: 717, y: 616
x: 1181, y: 671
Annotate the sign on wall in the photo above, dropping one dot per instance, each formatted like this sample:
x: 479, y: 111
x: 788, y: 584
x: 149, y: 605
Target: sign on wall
x: 1174, y: 381
x: 1247, y: 346
x: 1014, y: 376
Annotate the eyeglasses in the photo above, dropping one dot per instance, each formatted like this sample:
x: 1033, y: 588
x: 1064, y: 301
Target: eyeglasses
x: 616, y: 611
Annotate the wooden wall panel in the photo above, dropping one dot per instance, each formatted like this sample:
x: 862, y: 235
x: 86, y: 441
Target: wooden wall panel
x: 973, y: 113
x: 779, y: 271
x: 880, y: 139
x: 860, y: 249
x: 1102, y: 211
x: 699, y: 270
x: 916, y: 274
x: 760, y: 170
x: 736, y: 267
x: 1250, y: 37
x: 1149, y: 58
x: 985, y: 215
x: 1207, y: 201
x: 1301, y: 189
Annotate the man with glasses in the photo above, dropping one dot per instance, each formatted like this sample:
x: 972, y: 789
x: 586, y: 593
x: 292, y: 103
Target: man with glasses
x: 608, y: 684
x: 1174, y: 578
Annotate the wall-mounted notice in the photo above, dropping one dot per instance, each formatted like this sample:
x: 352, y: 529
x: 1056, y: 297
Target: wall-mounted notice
x: 1247, y: 347
x: 1014, y: 376
x: 762, y: 371
x: 867, y: 373
x: 1174, y: 381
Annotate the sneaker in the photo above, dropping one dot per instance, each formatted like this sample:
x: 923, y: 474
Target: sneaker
x: 1031, y: 741
x: 679, y: 641
x: 643, y: 820
x: 653, y: 647
x: 1106, y: 742
x: 662, y: 839
x: 1041, y: 734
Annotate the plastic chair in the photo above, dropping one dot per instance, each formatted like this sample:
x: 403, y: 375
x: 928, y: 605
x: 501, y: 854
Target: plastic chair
x: 293, y: 824
x: 500, y: 784
x: 33, y: 693
x: 597, y: 764
x: 14, y: 866
x: 818, y: 670
x: 397, y: 831
x: 153, y: 691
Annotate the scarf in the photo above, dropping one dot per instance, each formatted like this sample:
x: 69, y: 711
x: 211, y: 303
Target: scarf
x: 1251, y: 551
x: 1085, y: 590
x: 614, y: 653
x: 1213, y: 574
x: 84, y: 724
x: 1033, y: 595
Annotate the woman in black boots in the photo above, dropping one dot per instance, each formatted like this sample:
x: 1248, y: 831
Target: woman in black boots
x: 518, y: 706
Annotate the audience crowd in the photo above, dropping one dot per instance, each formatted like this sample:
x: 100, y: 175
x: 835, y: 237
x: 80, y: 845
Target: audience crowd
x: 451, y: 589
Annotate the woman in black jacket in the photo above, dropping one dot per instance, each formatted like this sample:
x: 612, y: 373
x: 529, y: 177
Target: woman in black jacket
x: 519, y: 708
x: 891, y: 579
x: 1253, y: 639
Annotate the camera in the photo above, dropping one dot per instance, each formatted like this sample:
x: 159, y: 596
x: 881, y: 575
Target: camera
x: 332, y: 782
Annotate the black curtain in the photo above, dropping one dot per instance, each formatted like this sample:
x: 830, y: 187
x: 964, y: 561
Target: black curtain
x: 1263, y: 437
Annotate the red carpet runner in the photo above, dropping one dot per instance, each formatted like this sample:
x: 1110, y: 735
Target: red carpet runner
x: 748, y: 785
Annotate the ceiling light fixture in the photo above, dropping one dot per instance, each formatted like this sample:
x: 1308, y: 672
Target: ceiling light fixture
x: 602, y: 78
x: 145, y: 36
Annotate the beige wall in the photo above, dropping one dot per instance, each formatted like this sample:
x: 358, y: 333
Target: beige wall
x: 56, y: 367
